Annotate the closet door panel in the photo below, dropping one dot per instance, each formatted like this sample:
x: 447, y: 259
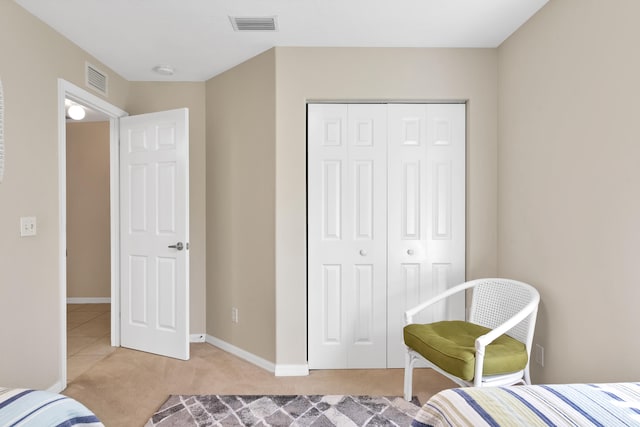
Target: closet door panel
x: 367, y: 295
x: 347, y: 231
x: 328, y: 234
x: 408, y: 270
x: 446, y: 136
x: 426, y: 214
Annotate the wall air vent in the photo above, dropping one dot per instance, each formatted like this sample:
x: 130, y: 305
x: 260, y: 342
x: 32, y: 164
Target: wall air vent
x: 96, y: 79
x: 268, y: 23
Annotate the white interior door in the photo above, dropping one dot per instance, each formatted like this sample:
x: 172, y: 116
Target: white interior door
x: 154, y: 233
x: 386, y: 225
x: 426, y: 241
x: 347, y: 229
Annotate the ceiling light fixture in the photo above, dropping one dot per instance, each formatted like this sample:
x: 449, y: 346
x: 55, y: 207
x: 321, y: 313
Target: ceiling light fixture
x: 165, y: 70
x: 76, y: 112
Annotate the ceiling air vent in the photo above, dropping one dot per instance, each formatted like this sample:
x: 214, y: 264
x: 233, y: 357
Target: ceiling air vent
x: 268, y: 23
x: 96, y: 79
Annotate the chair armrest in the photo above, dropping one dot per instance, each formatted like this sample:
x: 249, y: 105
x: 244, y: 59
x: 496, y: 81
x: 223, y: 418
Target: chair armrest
x: 489, y: 337
x: 408, y: 315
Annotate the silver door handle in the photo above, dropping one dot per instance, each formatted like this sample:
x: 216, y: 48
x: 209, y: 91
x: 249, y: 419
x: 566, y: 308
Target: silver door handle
x: 410, y: 252
x: 179, y: 246
x: 363, y: 252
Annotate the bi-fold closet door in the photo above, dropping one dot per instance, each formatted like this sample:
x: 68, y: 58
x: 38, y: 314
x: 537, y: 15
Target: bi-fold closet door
x: 386, y: 225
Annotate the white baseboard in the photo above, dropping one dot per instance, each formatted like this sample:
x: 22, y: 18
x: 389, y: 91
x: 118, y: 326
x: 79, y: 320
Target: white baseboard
x: 278, y: 370
x: 105, y: 300
x: 197, y: 338
x: 242, y: 354
x: 292, y: 370
x: 56, y: 388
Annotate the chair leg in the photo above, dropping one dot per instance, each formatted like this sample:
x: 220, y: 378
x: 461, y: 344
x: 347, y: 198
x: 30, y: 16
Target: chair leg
x: 527, y: 375
x: 408, y: 375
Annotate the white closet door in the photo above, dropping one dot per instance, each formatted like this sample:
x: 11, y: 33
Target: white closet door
x: 347, y: 236
x: 386, y: 225
x: 426, y: 232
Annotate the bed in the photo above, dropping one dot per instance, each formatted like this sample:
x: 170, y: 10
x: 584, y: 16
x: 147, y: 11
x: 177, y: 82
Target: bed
x: 615, y: 404
x: 35, y: 408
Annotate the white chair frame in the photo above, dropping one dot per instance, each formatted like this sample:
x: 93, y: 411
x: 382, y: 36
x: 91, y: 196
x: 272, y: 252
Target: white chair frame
x: 517, y: 305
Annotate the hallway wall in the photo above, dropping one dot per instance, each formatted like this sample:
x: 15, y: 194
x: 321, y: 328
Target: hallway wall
x: 88, y: 214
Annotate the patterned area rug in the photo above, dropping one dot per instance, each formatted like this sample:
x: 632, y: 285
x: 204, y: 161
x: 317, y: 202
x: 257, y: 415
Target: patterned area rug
x: 316, y: 411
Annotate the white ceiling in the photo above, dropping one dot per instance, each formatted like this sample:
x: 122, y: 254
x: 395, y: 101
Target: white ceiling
x: 196, y: 38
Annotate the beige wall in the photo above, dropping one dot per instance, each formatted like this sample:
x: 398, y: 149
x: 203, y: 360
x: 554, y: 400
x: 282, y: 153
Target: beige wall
x: 147, y: 97
x: 256, y: 203
x: 568, y: 196
x: 88, y: 214
x: 241, y: 205
x: 375, y: 74
x: 33, y: 58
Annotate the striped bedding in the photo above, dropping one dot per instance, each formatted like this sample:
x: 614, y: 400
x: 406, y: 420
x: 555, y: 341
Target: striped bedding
x: 34, y: 408
x: 616, y: 404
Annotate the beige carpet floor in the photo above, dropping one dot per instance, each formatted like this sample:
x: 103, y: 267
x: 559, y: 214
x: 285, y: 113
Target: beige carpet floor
x: 125, y: 388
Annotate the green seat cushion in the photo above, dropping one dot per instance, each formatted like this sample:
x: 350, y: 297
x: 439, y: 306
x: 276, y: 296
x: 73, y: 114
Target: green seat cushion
x: 450, y: 345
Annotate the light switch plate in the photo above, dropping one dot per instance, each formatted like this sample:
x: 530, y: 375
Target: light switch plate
x: 28, y: 226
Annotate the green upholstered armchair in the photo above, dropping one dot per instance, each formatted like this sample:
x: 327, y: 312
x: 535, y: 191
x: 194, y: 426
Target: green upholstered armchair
x: 491, y: 348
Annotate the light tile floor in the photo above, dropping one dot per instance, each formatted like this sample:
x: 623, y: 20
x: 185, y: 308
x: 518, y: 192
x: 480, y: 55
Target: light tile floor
x: 88, y: 337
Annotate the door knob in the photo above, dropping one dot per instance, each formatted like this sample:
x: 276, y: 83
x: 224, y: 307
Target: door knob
x: 410, y: 252
x: 179, y: 246
x: 363, y: 252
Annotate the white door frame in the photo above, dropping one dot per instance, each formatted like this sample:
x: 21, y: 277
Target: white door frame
x: 71, y: 91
